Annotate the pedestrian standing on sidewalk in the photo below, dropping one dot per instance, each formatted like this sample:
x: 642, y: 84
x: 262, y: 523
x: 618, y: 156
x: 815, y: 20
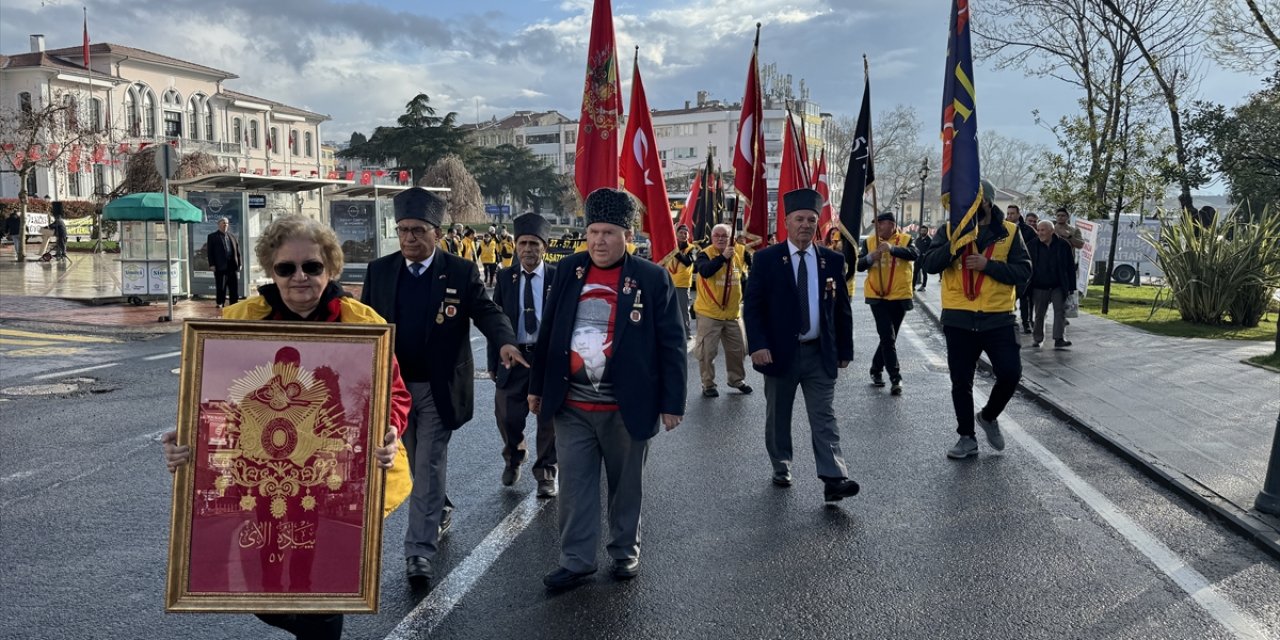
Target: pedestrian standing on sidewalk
x: 1028, y: 232
x: 918, y: 279
x: 979, y: 284
x: 522, y: 292
x: 680, y: 266
x: 13, y: 230
x: 887, y: 257
x: 224, y: 258
x: 609, y: 368
x: 1052, y: 280
x: 800, y: 333
x: 719, y: 306
x: 432, y: 297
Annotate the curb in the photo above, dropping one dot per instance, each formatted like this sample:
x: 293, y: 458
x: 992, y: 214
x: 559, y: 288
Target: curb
x: 1241, y: 520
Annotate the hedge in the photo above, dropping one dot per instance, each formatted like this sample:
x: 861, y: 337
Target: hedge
x: 71, y: 208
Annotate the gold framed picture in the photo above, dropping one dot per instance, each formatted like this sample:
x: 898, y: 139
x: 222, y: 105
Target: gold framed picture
x: 280, y: 509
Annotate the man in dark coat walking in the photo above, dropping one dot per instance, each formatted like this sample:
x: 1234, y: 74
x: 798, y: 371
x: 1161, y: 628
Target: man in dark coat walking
x: 521, y: 291
x: 610, y: 367
x: 1053, y: 278
x: 432, y: 297
x: 224, y: 258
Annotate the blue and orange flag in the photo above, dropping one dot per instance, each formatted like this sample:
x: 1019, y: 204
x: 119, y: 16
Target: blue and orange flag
x: 961, y: 177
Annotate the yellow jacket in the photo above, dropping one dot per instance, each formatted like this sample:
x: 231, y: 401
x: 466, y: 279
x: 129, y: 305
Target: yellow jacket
x: 508, y: 248
x: 891, y: 278
x: 712, y: 301
x: 398, y: 482
x: 681, y: 274
x: 489, y: 251
x: 992, y: 296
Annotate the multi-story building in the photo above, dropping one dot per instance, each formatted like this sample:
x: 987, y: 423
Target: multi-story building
x: 549, y: 135
x: 132, y: 99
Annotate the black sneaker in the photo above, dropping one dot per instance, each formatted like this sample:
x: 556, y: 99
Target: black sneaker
x: 877, y: 379
x: 896, y: 388
x: 1061, y: 344
x: 710, y: 393
x: 1026, y: 327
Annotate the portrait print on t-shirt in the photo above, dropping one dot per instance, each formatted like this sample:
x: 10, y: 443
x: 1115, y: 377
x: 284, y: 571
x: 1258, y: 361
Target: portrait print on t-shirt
x: 592, y: 344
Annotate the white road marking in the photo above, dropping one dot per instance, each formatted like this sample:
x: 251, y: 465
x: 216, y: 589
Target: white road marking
x: 162, y: 356
x: 46, y: 376
x: 917, y: 342
x: 17, y: 476
x: 109, y: 460
x: 1240, y: 624
x: 434, y: 608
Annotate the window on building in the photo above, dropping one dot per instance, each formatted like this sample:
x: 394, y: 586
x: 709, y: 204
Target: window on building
x: 24, y: 102
x: 274, y: 140
x: 570, y: 157
x: 208, y: 121
x: 294, y: 142
x: 193, y: 116
x: 237, y: 133
x: 715, y: 152
x: 71, y: 113
x: 148, y: 115
x: 253, y: 134
x: 95, y: 114
x: 132, y: 122
x: 571, y: 137
x: 543, y: 138
x: 711, y: 127
x: 691, y: 153
x: 99, y: 180
x: 306, y: 144
x: 172, y: 124
x: 73, y: 185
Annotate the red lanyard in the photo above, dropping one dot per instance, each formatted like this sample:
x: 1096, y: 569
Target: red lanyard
x: 972, y: 284
x: 893, y: 267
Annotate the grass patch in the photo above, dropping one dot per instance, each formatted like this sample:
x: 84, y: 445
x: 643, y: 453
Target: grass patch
x: 1272, y: 360
x: 1132, y: 306
x: 87, y: 245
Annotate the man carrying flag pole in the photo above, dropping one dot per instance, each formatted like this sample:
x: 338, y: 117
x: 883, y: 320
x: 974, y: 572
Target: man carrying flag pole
x: 980, y: 255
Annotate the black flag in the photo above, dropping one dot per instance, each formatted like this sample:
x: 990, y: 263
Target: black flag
x: 705, y: 214
x: 859, y: 177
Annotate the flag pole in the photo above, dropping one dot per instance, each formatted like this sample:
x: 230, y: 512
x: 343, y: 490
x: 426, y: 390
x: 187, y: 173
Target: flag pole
x: 871, y: 148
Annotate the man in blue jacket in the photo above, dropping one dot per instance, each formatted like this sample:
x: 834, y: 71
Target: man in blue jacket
x: 799, y: 333
x: 609, y: 365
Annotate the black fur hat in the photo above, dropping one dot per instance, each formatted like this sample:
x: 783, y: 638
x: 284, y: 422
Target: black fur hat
x: 531, y: 224
x: 614, y: 206
x: 802, y: 199
x: 417, y: 203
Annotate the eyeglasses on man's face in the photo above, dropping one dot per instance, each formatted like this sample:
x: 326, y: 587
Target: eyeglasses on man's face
x: 417, y: 232
x: 312, y: 268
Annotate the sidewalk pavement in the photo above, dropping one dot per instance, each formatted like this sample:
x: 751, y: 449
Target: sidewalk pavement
x: 1187, y: 411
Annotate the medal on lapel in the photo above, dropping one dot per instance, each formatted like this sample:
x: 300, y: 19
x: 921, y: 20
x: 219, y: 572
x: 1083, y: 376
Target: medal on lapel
x: 578, y: 272
x: 636, y: 308
x: 626, y: 286
x: 440, y: 314
x: 831, y: 287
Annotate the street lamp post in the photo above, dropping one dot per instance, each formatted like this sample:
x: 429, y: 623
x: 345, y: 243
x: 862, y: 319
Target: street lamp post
x: 924, y: 175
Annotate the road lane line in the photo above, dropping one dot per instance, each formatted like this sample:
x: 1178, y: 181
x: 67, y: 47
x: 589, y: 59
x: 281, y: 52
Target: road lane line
x: 60, y: 374
x: 434, y: 608
x: 110, y: 460
x: 162, y: 356
x: 65, y: 337
x: 26, y: 342
x: 1240, y: 624
x: 918, y: 342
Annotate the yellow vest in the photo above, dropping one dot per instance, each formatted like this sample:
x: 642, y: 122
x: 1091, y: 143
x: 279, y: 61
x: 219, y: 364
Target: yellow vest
x: 711, y: 301
x: 681, y: 275
x: 992, y: 296
x: 398, y: 482
x: 466, y: 249
x: 510, y: 247
x: 891, y: 273
x: 489, y: 251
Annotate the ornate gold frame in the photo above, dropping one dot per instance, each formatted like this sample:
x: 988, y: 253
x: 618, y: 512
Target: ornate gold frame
x: 178, y: 598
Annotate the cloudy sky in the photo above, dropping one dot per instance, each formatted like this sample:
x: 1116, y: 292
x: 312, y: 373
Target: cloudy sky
x: 360, y: 62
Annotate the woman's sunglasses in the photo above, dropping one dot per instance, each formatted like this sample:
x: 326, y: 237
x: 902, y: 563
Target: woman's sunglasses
x: 312, y: 268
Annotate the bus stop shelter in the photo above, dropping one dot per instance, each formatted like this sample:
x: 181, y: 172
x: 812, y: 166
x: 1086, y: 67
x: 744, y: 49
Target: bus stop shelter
x: 363, y: 217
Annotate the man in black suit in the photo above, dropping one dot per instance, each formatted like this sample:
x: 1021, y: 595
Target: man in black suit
x: 799, y: 332
x: 521, y: 291
x: 224, y: 259
x: 432, y: 297
x: 610, y: 365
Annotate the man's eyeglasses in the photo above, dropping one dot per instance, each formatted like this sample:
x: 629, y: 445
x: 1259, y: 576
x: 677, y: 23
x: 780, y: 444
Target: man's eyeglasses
x: 417, y: 232
x: 312, y: 268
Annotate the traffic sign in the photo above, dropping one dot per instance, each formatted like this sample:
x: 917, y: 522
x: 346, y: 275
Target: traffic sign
x: 167, y: 161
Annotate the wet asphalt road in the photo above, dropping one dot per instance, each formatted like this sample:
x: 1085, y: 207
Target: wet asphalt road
x: 1053, y: 538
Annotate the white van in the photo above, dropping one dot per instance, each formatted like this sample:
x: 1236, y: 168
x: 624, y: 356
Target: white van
x: 1134, y: 254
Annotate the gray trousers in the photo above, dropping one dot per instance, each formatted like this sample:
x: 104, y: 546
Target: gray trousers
x: 583, y: 440
x: 1042, y: 298
x: 426, y: 442
x: 819, y: 392
x: 682, y: 300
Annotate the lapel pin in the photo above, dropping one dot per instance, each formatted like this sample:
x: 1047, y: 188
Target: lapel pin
x: 578, y: 272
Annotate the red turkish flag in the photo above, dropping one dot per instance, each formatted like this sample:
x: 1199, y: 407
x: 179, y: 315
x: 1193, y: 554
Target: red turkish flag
x: 822, y: 185
x: 73, y: 159
x: 596, y: 160
x: 642, y: 174
x: 99, y: 153
x: 793, y: 174
x: 379, y: 173
x: 695, y: 191
x: 33, y: 153
x: 332, y: 175
x: 366, y: 177
x: 123, y: 149
x: 351, y: 175
x: 748, y: 157
x: 404, y: 177
x: 86, y: 39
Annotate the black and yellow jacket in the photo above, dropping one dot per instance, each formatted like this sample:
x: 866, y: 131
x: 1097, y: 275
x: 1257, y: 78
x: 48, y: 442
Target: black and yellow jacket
x: 980, y: 300
x: 891, y: 280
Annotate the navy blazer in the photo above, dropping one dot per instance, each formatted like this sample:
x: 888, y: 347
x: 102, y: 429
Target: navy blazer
x: 770, y: 309
x: 506, y: 294
x: 455, y: 282
x: 648, y: 369
x: 219, y: 259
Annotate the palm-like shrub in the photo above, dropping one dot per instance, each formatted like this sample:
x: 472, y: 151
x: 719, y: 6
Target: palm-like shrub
x: 1223, y: 273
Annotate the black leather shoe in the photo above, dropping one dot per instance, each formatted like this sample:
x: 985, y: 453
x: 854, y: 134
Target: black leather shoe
x: 563, y: 578
x: 710, y: 393
x: 877, y: 379
x: 626, y: 569
x: 446, y: 521
x: 418, y: 569
x: 744, y: 389
x: 782, y: 478
x: 510, y: 475
x: 839, y: 490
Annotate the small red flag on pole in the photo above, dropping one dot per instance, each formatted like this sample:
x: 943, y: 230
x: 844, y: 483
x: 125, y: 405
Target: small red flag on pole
x: 86, y: 38
x: 748, y: 156
x: 642, y: 173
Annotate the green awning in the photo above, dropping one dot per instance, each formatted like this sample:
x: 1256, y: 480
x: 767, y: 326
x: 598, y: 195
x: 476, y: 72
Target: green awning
x: 150, y: 207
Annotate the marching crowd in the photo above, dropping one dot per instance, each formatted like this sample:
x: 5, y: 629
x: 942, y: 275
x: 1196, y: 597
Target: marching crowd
x: 595, y: 346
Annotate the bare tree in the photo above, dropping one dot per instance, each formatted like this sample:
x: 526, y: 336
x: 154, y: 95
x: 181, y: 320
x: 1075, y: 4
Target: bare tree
x: 466, y: 204
x: 1009, y: 163
x: 1244, y: 35
x: 40, y: 132
x: 141, y: 176
x: 896, y: 152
